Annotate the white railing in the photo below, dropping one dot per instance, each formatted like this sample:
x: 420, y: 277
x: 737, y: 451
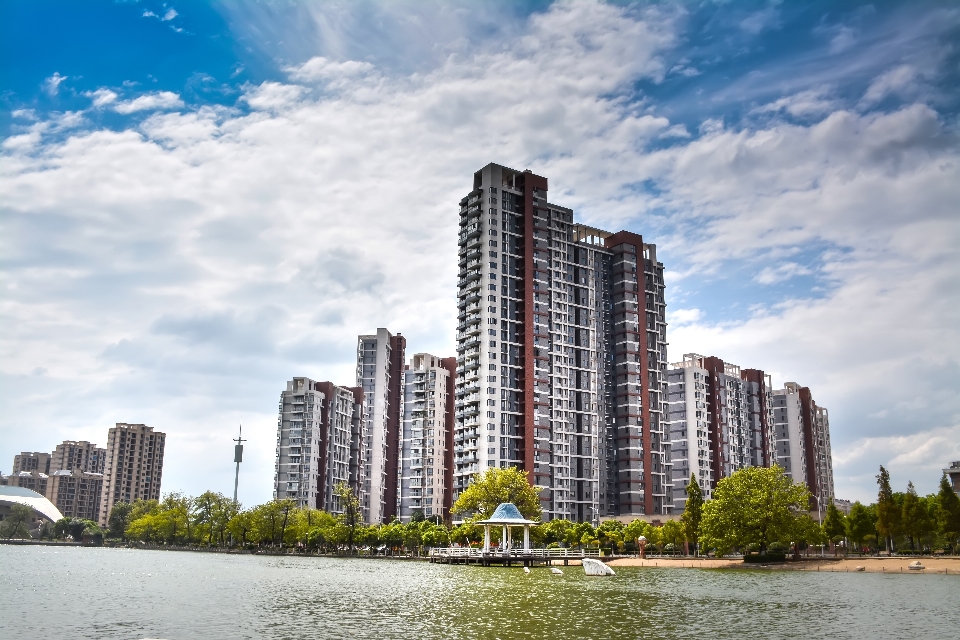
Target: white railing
x: 495, y: 552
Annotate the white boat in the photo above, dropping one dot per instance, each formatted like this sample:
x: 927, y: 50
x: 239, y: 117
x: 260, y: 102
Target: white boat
x: 596, y: 568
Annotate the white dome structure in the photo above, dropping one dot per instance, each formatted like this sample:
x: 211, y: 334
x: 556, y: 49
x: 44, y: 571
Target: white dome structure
x: 19, y: 495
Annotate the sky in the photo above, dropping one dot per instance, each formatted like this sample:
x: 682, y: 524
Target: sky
x: 200, y: 201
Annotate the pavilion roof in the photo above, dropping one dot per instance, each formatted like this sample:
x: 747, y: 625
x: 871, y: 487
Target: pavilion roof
x: 507, y: 513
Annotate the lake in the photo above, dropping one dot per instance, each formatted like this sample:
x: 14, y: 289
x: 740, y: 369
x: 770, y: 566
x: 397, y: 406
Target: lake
x: 71, y: 592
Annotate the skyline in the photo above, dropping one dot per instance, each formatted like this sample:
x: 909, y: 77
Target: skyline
x: 200, y: 203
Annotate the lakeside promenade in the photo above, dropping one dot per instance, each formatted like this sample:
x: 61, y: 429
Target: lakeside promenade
x: 898, y: 564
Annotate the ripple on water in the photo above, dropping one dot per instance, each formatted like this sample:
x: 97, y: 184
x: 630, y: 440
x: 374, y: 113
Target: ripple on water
x: 120, y: 593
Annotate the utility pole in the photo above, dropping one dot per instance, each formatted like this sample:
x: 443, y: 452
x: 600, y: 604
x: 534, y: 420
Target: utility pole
x: 238, y: 458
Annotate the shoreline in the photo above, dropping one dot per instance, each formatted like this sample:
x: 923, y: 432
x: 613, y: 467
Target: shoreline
x: 948, y: 565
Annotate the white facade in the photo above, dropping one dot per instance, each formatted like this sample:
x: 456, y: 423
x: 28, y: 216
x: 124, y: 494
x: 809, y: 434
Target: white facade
x: 374, y: 356
x: 423, y: 441
x: 297, y: 468
x: 689, y: 430
x: 788, y: 424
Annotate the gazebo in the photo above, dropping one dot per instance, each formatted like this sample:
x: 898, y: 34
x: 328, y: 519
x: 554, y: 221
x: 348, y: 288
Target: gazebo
x: 506, y: 516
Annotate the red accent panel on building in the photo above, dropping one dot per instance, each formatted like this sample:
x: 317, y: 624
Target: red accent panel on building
x: 398, y: 347
x: 450, y: 364
x: 530, y: 181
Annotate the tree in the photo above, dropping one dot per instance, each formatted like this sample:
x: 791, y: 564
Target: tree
x: 119, y: 519
x: 948, y: 512
x: 915, y: 519
x: 240, y: 526
x: 834, y: 528
x: 351, y: 514
x: 496, y: 486
x: 888, y: 514
x: 859, y: 524
x: 610, y: 534
x: 635, y: 530
x: 671, y: 533
x: 754, y: 505
x: 554, y: 531
x: 16, y: 524
x: 807, y: 531
x: 692, y: 511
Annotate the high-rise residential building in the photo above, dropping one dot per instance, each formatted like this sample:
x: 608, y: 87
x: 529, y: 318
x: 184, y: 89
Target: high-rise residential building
x: 380, y: 363
x: 76, y: 493
x: 561, y: 353
x: 33, y: 480
x: 720, y: 419
x: 427, y: 436
x: 81, y: 455
x: 133, y: 467
x: 803, y: 440
x: 319, y: 443
x: 32, y: 461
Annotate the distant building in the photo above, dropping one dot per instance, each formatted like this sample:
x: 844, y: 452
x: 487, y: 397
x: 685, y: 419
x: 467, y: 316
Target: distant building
x: 953, y: 474
x: 803, y: 440
x: 76, y: 493
x: 720, y: 419
x: 82, y: 455
x: 32, y: 480
x: 319, y: 443
x: 133, y: 466
x: 31, y: 461
x: 380, y: 363
x: 426, y: 441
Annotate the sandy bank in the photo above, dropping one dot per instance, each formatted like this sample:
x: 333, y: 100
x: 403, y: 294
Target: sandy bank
x: 950, y: 566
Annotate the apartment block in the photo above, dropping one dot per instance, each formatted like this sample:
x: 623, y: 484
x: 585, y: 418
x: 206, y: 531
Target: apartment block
x: 561, y: 353
x: 803, y: 440
x: 133, y: 467
x: 426, y: 440
x: 76, y: 493
x: 32, y: 461
x: 82, y: 455
x: 380, y: 365
x: 319, y: 443
x: 721, y: 420
x: 33, y: 480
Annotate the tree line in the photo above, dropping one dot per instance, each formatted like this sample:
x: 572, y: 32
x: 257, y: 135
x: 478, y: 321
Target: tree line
x: 755, y: 509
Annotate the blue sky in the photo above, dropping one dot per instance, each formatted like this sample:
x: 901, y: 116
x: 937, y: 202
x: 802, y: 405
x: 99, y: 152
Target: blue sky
x: 200, y: 201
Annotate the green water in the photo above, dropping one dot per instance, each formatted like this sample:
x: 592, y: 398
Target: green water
x: 115, y: 593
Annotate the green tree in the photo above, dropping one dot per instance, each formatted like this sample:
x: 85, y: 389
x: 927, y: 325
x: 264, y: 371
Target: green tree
x: 635, y: 530
x: 692, y: 511
x: 610, y: 533
x: 496, y: 486
x: 119, y: 519
x: 915, y: 519
x: 240, y: 526
x: 948, y: 513
x: 16, y: 524
x: 860, y: 524
x: 672, y: 534
x: 889, y: 515
x: 754, y: 505
x: 834, y: 525
x: 806, y: 532
x: 554, y: 531
x: 351, y: 515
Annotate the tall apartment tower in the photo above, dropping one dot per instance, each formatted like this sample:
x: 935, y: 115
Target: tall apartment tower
x: 427, y: 437
x: 319, y: 443
x: 803, y: 440
x: 380, y: 364
x: 38, y: 461
x: 133, y: 466
x: 82, y: 455
x: 561, y: 353
x: 720, y: 421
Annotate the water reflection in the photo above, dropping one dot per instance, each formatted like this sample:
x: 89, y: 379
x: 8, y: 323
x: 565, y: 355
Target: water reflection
x: 103, y: 593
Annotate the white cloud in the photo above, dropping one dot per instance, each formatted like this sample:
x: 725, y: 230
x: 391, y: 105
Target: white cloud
x: 901, y: 81
x: 102, y: 97
x: 844, y: 39
x: 813, y: 102
x: 785, y: 271
x: 170, y: 15
x: 51, y: 85
x: 273, y: 95
x: 160, y: 100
